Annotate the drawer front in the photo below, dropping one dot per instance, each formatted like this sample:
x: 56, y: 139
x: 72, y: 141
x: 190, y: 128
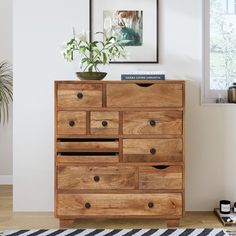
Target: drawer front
x: 88, y: 158
x: 161, y: 178
x: 143, y: 95
x: 120, y: 205
x: 152, y: 150
x: 96, y: 178
x: 80, y: 145
x: 79, y: 95
x: 71, y: 122
x: 104, y: 123
x: 163, y: 122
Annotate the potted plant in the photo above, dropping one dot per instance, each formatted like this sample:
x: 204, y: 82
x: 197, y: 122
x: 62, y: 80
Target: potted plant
x: 93, y: 54
x: 5, y: 90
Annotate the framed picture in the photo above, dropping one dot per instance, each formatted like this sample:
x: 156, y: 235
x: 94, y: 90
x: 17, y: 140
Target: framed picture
x: 134, y: 21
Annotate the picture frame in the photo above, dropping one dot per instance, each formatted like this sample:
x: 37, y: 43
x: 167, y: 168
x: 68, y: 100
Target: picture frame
x: 131, y: 21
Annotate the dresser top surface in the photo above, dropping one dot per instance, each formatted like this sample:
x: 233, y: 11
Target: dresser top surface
x: 120, y: 81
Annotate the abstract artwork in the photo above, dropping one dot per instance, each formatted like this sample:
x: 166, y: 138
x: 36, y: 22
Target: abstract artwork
x: 134, y: 22
x: 124, y: 25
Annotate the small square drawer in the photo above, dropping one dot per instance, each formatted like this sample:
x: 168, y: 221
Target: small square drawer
x: 161, y: 178
x: 153, y: 150
x: 79, y: 95
x: 104, y: 123
x: 150, y: 204
x: 71, y: 122
x: 96, y: 177
x: 145, y: 95
x: 160, y: 122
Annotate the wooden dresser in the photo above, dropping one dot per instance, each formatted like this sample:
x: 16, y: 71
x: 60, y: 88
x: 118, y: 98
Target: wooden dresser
x: 119, y: 150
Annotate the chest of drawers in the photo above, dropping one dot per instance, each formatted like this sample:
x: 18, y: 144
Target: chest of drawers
x: 119, y: 150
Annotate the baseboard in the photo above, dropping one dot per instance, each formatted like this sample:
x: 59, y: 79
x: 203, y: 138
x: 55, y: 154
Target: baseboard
x: 6, y: 180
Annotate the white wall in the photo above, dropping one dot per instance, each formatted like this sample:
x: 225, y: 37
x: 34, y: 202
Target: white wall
x: 40, y: 27
x: 6, y: 54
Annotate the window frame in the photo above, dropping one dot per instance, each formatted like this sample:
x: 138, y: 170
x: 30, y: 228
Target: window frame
x: 227, y: 8
x: 209, y: 95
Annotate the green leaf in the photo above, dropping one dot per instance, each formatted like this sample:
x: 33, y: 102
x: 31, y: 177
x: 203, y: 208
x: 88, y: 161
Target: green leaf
x: 6, y: 87
x: 104, y: 58
x: 97, y: 51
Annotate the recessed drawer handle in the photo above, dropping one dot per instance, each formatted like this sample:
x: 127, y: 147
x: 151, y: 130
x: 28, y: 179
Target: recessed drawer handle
x: 145, y: 85
x: 71, y: 123
x: 87, y: 205
x: 152, y: 122
x: 153, y: 151
x: 104, y: 123
x: 161, y: 167
x: 96, y: 178
x: 80, y: 95
x: 150, y: 205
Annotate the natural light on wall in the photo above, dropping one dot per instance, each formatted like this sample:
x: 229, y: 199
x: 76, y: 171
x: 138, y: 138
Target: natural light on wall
x: 222, y: 44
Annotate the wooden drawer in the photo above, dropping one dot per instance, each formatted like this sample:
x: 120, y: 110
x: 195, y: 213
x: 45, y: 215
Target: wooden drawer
x: 161, y: 122
x: 145, y: 95
x: 104, y: 123
x: 88, y: 157
x: 71, y: 122
x: 96, y: 177
x: 87, y: 145
x: 161, y: 205
x: 161, y: 177
x: 152, y: 150
x: 79, y: 95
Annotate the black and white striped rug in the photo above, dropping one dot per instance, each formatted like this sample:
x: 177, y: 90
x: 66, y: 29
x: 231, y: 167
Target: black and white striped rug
x: 116, y: 232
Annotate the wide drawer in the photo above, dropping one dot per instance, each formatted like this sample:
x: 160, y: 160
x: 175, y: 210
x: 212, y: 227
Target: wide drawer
x: 87, y: 145
x: 145, y: 95
x: 96, y: 177
x: 79, y: 95
x: 161, y: 122
x: 152, y: 150
x: 161, y: 177
x: 104, y: 123
x: 71, y: 122
x: 161, y: 205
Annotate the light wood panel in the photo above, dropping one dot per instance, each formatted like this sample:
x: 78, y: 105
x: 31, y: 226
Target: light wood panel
x: 88, y: 158
x: 161, y: 177
x: 96, y: 177
x: 120, y: 205
x: 104, y: 123
x: 162, y: 122
x: 152, y: 150
x: 71, y: 122
x: 79, y: 95
x: 140, y: 95
x: 88, y: 146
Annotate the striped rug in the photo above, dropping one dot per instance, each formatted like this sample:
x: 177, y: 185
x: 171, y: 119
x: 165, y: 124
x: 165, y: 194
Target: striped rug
x: 116, y: 232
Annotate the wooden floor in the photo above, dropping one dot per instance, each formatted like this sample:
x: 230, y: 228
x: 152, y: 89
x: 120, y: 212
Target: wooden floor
x: 10, y: 220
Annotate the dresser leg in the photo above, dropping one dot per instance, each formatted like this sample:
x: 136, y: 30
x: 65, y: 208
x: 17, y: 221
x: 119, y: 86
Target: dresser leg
x: 172, y: 223
x: 67, y: 223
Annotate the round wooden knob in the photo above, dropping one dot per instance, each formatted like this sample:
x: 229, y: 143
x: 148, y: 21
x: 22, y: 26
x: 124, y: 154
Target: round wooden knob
x: 152, y: 123
x: 96, y: 178
x: 87, y: 205
x: 80, y: 95
x: 153, y: 151
x: 71, y: 123
x: 104, y: 123
x: 150, y: 205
